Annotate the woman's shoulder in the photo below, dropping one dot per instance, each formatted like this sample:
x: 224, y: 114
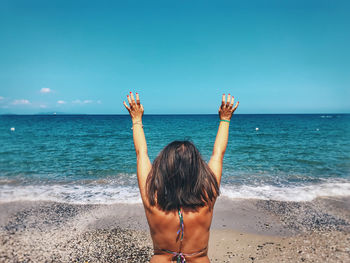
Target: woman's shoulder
x: 189, y: 213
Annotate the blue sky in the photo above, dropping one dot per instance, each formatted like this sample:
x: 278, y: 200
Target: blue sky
x: 85, y: 56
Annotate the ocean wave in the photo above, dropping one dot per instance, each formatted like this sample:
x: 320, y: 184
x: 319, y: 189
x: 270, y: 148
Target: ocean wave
x: 94, y: 193
x: 296, y: 193
x: 71, y: 193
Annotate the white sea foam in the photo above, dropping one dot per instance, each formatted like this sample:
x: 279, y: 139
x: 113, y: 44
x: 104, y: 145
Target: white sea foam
x: 290, y: 193
x: 77, y: 194
x: 112, y: 193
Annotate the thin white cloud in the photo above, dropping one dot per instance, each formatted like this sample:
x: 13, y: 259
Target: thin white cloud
x: 43, y: 106
x: 45, y: 90
x: 21, y: 102
x: 77, y: 101
x: 61, y: 102
x: 99, y: 102
x: 1, y: 98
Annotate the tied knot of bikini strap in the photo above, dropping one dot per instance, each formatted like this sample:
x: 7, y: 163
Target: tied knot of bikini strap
x: 180, y: 232
x: 179, y: 256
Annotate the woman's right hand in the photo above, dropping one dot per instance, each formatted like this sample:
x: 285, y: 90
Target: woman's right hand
x: 135, y: 109
x: 226, y: 109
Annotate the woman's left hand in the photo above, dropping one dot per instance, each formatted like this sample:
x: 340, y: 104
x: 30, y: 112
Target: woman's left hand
x: 227, y: 109
x: 135, y: 109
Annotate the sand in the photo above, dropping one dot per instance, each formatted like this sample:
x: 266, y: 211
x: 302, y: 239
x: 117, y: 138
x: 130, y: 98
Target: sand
x: 242, y: 231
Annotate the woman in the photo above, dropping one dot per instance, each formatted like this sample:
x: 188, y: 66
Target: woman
x: 179, y: 190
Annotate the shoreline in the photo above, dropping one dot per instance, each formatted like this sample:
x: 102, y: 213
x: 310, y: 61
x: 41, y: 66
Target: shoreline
x: 246, y: 230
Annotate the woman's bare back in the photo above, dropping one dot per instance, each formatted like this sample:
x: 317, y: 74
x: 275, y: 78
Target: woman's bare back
x: 165, y: 225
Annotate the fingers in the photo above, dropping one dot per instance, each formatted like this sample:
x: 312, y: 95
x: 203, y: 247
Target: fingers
x: 137, y: 99
x: 129, y: 100
x: 232, y: 102
x: 228, y: 100
x: 132, y: 99
x: 229, y: 103
x: 237, y: 103
x: 126, y: 106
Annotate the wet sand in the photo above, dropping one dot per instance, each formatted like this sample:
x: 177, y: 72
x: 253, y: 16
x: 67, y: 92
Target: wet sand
x: 242, y: 231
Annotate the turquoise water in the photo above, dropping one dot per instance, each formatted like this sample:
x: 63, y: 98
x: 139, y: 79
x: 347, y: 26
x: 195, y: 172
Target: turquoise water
x: 91, y: 159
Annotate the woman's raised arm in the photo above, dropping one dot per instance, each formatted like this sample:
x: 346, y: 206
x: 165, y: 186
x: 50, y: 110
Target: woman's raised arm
x: 226, y: 111
x: 144, y: 165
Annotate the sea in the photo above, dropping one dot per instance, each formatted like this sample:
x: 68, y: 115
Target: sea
x: 90, y: 159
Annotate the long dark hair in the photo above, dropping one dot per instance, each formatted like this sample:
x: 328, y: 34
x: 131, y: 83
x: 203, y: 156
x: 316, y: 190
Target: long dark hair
x: 180, y: 178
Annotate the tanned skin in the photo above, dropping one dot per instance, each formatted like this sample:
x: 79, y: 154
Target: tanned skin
x: 164, y: 225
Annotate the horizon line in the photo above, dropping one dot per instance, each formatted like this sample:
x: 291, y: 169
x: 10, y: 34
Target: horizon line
x: 160, y: 114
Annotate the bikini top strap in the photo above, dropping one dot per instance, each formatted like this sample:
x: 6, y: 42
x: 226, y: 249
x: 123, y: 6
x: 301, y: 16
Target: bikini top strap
x: 180, y: 232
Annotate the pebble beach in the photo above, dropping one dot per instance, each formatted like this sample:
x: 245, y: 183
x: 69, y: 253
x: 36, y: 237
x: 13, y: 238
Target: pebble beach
x: 242, y: 231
